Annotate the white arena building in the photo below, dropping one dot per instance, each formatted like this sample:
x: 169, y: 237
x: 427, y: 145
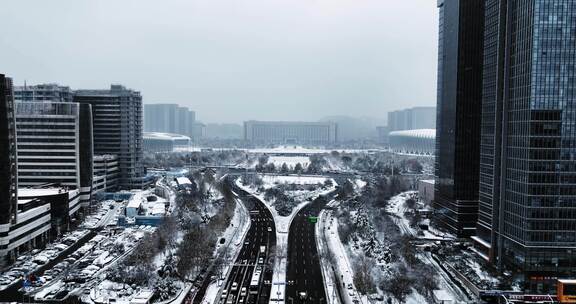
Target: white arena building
x: 165, y: 142
x: 419, y: 142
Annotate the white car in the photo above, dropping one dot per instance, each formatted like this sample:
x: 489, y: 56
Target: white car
x: 234, y: 286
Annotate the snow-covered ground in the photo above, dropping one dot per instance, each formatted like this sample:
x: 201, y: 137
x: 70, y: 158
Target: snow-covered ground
x: 280, y: 150
x: 290, y: 161
x: 397, y: 207
x: 273, y: 180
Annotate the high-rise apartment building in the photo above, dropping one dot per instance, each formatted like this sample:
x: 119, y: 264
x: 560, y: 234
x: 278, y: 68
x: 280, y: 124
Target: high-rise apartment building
x: 527, y: 193
x: 168, y: 118
x: 289, y: 132
x: 43, y: 92
x: 412, y: 119
x: 459, y: 99
x: 117, y: 129
x: 8, y: 159
x: 160, y: 117
x: 55, y: 145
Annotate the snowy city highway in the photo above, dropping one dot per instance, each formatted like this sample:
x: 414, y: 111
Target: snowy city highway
x: 250, y: 277
x: 304, y: 282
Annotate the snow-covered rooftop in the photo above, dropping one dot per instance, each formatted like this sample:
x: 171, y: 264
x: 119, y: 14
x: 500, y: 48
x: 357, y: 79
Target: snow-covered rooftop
x: 183, y: 181
x: 442, y: 295
x: 37, y: 192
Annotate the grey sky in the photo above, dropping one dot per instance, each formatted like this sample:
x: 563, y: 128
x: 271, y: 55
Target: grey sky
x: 232, y: 60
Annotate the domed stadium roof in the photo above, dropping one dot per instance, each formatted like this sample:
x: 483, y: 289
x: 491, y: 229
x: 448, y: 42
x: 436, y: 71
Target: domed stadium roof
x: 419, y: 133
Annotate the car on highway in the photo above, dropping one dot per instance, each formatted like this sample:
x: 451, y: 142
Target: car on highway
x: 234, y: 286
x: 261, y: 261
x: 230, y: 300
x: 243, y: 292
x: 269, y: 229
x: 224, y: 294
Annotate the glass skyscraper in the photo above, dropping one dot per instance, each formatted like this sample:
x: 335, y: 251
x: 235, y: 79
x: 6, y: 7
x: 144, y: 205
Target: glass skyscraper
x: 527, y: 193
x: 458, y: 114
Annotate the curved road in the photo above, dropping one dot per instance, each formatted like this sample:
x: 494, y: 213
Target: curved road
x: 254, y: 256
x: 303, y: 270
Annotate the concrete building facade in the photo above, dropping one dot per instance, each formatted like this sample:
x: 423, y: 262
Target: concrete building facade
x: 43, y: 92
x: 285, y: 132
x: 117, y: 129
x: 106, y: 172
x: 55, y: 145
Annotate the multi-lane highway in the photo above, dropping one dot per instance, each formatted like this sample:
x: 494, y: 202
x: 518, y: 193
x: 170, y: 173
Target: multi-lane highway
x: 304, y: 282
x: 250, y: 276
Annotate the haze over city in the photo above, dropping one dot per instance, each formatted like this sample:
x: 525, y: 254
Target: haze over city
x: 288, y: 152
x: 232, y: 60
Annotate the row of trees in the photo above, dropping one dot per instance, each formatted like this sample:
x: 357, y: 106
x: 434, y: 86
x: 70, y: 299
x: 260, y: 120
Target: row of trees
x: 405, y: 271
x: 186, y: 240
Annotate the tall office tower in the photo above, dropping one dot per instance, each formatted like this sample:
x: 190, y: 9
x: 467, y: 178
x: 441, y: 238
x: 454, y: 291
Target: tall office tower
x: 43, y: 92
x: 412, y: 119
x: 117, y: 129
x: 459, y: 98
x: 55, y: 145
x: 527, y: 214
x: 168, y: 118
x: 186, y: 119
x: 8, y: 158
x: 160, y: 117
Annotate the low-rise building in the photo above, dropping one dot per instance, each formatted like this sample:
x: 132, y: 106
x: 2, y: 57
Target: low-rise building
x: 165, y: 142
x: 43, y: 214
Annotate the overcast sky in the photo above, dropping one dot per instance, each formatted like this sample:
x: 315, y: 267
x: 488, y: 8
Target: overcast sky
x: 232, y: 60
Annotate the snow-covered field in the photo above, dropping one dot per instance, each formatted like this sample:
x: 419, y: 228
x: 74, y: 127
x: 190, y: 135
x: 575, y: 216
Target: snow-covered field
x: 273, y: 180
x: 290, y: 161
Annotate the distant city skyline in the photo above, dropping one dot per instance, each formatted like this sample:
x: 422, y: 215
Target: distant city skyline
x: 233, y: 61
